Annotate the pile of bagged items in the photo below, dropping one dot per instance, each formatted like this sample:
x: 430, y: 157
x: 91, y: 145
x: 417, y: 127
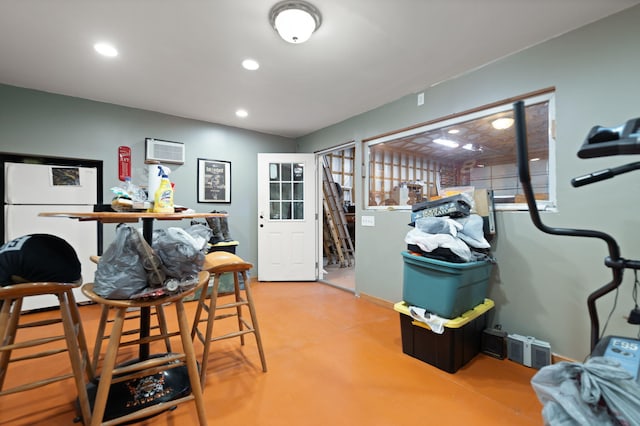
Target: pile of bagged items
x: 448, y: 229
x: 130, y: 268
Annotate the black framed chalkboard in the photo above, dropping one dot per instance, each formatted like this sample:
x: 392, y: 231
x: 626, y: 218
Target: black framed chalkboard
x: 214, y: 181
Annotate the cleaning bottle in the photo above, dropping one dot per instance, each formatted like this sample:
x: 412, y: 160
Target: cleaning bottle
x: 163, y: 201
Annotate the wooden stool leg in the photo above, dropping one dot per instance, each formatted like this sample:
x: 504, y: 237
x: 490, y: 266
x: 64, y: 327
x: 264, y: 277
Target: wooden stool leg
x: 106, y: 374
x: 198, y: 314
x: 97, y: 348
x: 82, y: 339
x: 209, y: 331
x: 254, y: 320
x: 236, y: 287
x: 192, y: 365
x: 77, y: 350
x: 162, y: 323
x: 9, y: 325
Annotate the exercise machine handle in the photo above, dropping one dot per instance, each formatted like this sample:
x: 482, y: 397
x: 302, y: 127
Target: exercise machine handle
x: 615, y: 262
x: 604, y: 174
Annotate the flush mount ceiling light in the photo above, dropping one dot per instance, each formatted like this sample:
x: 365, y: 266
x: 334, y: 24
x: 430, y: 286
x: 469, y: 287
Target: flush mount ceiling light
x: 295, y: 21
x: 502, y: 123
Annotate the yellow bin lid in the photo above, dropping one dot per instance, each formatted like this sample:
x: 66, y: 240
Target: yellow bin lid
x: 458, y: 322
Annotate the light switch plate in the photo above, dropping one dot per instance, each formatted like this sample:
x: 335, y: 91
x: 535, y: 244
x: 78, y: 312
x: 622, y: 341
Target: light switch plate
x: 368, y: 221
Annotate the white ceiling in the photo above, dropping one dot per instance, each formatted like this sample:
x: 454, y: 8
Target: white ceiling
x: 182, y: 57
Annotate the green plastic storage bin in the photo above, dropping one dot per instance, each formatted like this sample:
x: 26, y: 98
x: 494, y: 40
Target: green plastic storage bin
x: 446, y: 289
x: 225, y: 287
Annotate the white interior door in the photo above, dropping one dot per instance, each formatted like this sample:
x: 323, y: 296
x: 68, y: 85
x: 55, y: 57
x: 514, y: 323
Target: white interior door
x: 287, y: 217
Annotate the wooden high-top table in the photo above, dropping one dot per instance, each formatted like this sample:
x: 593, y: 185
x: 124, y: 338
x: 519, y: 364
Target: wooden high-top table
x: 117, y: 405
x: 147, y: 231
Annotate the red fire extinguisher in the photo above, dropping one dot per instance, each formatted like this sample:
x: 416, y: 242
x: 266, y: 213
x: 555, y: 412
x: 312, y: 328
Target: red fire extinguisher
x: 124, y: 162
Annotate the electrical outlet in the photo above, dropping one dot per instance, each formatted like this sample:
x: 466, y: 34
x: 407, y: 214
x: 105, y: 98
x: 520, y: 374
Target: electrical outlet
x: 368, y: 221
x: 420, y: 98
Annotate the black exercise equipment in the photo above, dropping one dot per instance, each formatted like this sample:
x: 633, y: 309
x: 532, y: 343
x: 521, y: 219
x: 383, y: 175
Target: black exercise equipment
x: 599, y: 142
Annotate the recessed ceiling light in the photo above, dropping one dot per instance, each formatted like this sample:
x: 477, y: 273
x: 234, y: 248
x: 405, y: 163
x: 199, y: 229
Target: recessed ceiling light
x: 242, y: 113
x: 250, y: 64
x: 105, y: 49
x: 453, y: 131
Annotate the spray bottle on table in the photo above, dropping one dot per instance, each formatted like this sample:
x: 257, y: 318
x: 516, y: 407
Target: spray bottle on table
x: 163, y: 201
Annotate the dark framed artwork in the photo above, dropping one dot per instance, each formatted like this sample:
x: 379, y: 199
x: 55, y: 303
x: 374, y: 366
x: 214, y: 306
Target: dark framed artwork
x: 214, y: 181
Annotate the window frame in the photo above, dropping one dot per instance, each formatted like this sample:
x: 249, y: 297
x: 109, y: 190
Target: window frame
x: 548, y: 95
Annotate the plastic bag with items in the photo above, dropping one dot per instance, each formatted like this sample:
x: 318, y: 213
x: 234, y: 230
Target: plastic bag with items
x: 182, y: 250
x: 127, y: 266
x: 598, y: 392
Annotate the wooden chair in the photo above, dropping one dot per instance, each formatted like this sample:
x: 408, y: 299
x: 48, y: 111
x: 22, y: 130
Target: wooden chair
x: 111, y: 374
x: 132, y: 314
x: 12, y: 321
x: 218, y: 263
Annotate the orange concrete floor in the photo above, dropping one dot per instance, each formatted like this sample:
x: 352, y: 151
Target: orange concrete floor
x: 333, y: 359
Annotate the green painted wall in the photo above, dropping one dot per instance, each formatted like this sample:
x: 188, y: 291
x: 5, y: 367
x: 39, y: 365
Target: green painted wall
x: 541, y: 283
x: 33, y: 122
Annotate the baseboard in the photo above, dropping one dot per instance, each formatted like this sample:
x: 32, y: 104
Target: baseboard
x: 555, y: 358
x: 377, y: 301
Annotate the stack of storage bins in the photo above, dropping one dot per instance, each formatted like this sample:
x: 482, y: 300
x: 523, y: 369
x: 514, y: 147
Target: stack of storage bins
x: 454, y: 291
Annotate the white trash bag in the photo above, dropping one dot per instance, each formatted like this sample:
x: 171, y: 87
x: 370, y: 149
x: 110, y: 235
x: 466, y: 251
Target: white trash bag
x: 598, y: 392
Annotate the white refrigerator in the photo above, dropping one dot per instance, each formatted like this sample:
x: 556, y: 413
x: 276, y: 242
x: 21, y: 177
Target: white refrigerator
x: 30, y: 189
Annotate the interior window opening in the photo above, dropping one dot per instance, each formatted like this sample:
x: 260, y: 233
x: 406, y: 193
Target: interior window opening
x: 475, y: 149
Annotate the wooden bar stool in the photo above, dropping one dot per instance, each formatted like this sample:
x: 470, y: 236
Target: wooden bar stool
x: 138, y: 375
x: 132, y: 314
x: 218, y: 263
x: 11, y: 298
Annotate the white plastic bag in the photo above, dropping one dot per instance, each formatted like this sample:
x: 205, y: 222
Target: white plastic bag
x: 598, y: 392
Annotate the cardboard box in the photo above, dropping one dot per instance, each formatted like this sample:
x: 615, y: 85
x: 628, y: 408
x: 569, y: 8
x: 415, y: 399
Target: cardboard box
x: 446, y: 289
x: 451, y: 350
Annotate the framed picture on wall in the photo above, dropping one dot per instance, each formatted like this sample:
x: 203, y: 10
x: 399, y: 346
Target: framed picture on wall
x: 214, y: 181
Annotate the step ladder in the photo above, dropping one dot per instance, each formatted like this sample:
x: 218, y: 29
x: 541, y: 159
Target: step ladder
x: 340, y: 243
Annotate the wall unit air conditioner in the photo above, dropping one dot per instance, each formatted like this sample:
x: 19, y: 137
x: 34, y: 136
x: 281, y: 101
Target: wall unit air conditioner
x: 164, y: 151
x: 528, y: 351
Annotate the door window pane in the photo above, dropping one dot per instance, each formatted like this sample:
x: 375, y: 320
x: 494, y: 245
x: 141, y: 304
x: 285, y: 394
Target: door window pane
x: 274, y: 171
x: 286, y: 172
x: 286, y: 184
x: 286, y: 190
x: 274, y: 210
x: 274, y: 191
x: 298, y: 191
